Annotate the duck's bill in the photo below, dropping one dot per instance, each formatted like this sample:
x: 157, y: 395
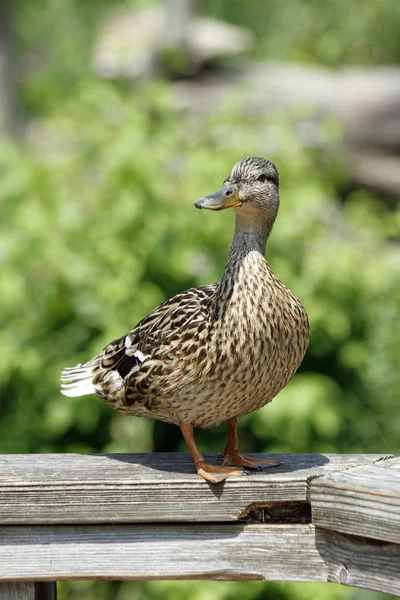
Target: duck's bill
x: 226, y: 197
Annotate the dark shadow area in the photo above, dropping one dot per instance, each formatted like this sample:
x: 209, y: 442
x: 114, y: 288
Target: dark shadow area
x: 181, y: 463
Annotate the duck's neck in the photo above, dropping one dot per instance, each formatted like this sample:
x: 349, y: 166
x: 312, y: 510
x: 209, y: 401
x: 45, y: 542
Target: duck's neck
x: 245, y: 255
x: 250, y: 236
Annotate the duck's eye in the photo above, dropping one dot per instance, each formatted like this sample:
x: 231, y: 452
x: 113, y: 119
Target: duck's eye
x: 262, y: 178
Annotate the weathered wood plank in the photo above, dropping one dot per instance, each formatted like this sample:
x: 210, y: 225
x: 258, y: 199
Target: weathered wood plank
x: 363, y: 501
x: 73, y: 488
x: 174, y: 551
x: 28, y: 590
x: 360, y: 562
x: 234, y: 551
x: 17, y: 591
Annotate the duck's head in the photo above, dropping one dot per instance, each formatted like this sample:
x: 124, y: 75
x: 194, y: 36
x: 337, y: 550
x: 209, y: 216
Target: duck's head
x: 252, y: 188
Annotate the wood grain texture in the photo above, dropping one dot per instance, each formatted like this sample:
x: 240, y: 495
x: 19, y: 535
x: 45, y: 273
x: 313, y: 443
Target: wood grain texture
x: 28, y: 590
x: 360, y: 562
x: 74, y: 488
x: 17, y: 591
x: 363, y: 501
x: 231, y: 551
x: 234, y: 551
x: 351, y: 496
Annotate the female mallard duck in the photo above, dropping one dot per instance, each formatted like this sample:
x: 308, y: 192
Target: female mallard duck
x: 214, y: 352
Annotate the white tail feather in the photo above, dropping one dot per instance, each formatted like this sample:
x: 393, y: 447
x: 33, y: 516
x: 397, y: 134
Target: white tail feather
x: 75, y: 375
x: 77, y: 381
x: 83, y: 389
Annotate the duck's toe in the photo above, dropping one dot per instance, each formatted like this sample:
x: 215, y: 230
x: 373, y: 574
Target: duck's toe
x: 249, y: 462
x: 217, y: 473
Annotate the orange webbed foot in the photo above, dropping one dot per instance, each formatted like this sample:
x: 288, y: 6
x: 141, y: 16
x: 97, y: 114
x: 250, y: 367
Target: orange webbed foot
x: 248, y: 462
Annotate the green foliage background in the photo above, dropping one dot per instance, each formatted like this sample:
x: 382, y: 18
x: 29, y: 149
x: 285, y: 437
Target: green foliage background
x: 98, y: 226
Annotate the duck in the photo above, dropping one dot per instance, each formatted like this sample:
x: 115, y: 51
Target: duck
x: 215, y: 352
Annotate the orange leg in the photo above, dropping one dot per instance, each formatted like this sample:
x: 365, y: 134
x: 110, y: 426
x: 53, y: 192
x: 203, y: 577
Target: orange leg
x: 232, y: 456
x: 211, y: 473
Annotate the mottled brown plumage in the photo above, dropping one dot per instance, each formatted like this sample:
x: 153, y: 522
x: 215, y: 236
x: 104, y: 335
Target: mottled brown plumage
x: 214, y: 352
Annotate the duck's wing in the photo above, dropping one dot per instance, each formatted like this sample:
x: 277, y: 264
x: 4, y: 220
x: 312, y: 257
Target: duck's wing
x: 174, y: 319
x: 180, y: 319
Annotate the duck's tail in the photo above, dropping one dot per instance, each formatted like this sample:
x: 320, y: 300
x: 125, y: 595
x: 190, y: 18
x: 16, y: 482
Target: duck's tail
x: 78, y: 380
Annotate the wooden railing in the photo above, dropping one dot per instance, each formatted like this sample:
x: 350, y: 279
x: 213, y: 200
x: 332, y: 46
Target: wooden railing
x: 316, y: 517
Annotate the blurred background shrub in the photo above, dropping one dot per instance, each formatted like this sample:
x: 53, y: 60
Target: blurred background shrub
x: 97, y: 181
